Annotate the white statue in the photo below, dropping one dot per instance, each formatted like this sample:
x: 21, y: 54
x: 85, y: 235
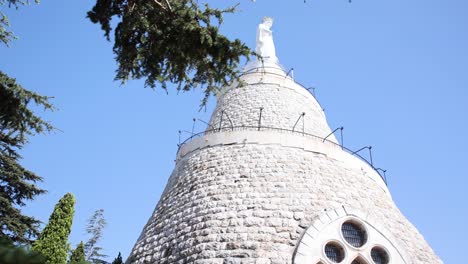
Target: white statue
x: 265, y: 46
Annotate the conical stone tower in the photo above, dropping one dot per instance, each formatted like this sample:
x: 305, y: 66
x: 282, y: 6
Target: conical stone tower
x: 268, y: 183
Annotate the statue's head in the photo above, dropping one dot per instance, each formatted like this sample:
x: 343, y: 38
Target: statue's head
x: 267, y: 21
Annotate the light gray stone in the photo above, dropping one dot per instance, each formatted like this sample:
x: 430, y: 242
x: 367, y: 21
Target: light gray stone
x: 248, y: 196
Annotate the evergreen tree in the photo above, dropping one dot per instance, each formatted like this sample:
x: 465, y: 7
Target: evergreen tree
x: 78, y: 255
x: 53, y: 240
x: 5, y: 35
x: 95, y: 228
x: 17, y: 123
x: 13, y: 254
x: 17, y: 184
x: 118, y: 259
x: 175, y: 41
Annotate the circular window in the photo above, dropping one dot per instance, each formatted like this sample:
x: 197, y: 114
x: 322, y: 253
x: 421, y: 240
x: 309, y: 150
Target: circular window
x: 354, y: 233
x: 359, y: 261
x: 379, y: 255
x: 334, y: 252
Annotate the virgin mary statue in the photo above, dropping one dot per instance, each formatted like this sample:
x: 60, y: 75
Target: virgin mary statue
x: 265, y: 46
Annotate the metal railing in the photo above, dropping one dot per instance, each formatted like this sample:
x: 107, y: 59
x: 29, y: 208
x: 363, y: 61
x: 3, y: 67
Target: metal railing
x: 283, y: 130
x: 211, y: 129
x: 262, y: 70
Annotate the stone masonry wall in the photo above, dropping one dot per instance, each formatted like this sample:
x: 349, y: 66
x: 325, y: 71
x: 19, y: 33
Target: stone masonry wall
x: 283, y: 102
x: 250, y: 203
x: 234, y: 198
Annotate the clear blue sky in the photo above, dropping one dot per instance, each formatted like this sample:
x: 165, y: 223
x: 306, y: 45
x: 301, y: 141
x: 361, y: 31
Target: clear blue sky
x: 393, y: 73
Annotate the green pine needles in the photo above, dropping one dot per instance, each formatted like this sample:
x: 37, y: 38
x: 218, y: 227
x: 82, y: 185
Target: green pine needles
x: 53, y: 240
x: 95, y: 227
x: 13, y: 254
x: 118, y: 259
x: 78, y: 255
x: 5, y: 35
x: 171, y: 41
x: 17, y: 123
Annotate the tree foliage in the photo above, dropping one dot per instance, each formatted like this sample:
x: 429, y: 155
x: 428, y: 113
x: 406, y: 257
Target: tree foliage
x: 17, y: 123
x: 118, y: 259
x: 78, y: 254
x: 53, y: 240
x: 95, y: 227
x: 5, y: 35
x: 176, y: 41
x: 13, y: 254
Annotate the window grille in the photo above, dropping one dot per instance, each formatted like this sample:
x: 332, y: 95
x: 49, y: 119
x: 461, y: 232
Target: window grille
x: 358, y: 261
x: 334, y: 252
x: 379, y: 256
x: 354, y: 234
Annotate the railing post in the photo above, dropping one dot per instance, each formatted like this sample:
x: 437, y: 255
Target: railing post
x: 340, y: 128
x: 221, y: 120
x: 260, y: 119
x: 342, y: 142
x: 230, y: 121
x: 292, y: 73
x: 297, y: 121
x: 370, y: 155
x: 193, y: 126
x: 180, y: 132
x: 354, y: 152
x: 313, y: 90
x: 384, y: 174
x: 206, y: 124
